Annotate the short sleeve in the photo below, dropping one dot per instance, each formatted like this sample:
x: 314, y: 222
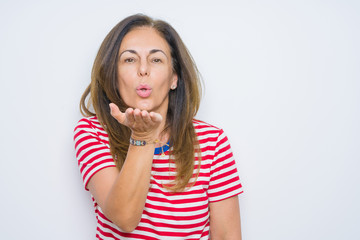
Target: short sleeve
x: 92, y: 152
x: 224, y: 177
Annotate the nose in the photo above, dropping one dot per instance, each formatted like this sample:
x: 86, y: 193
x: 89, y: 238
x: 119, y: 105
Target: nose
x: 144, y: 69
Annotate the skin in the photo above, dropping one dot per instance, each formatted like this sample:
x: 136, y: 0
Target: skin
x: 225, y: 219
x: 145, y: 59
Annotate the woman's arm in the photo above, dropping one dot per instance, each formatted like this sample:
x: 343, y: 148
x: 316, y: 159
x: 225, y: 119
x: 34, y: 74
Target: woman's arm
x: 122, y: 194
x: 225, y: 219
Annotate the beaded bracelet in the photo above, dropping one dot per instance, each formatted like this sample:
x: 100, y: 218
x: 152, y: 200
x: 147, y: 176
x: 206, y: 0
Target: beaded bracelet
x: 141, y: 142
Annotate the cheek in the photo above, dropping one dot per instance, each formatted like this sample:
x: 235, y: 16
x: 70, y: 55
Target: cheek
x: 163, y: 76
x: 125, y: 78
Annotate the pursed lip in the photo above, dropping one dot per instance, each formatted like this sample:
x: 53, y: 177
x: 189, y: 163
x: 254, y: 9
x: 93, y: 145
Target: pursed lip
x: 143, y: 90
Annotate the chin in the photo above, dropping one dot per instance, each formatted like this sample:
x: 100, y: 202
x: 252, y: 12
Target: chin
x: 144, y: 106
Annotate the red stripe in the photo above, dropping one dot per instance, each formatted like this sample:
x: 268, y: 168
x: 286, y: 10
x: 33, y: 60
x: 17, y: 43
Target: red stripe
x: 190, y: 192
x: 177, y: 201
x: 207, y: 132
x: 226, y: 191
x: 166, y: 177
x: 176, y: 209
x: 203, y: 141
x: 175, y: 226
x: 163, y: 169
x: 207, y: 148
x: 168, y: 234
x: 173, y: 217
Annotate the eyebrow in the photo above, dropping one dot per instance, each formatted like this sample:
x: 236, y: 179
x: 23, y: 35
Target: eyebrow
x: 151, y: 52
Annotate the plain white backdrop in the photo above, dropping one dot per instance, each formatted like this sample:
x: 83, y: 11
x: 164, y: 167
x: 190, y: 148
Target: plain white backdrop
x: 282, y: 78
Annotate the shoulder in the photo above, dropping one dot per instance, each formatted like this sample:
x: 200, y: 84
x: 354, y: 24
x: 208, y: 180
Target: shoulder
x: 199, y: 124
x: 208, y: 134
x: 88, y: 122
x: 90, y: 125
x: 202, y: 128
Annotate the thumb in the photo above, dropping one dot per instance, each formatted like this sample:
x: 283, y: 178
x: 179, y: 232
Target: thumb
x: 116, y: 113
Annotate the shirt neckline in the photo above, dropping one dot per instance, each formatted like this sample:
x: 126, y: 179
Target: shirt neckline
x: 162, y: 149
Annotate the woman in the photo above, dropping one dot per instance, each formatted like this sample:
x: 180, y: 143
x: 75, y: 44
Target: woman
x: 154, y: 172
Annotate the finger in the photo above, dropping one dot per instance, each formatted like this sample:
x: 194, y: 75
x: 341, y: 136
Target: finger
x: 145, y: 116
x: 137, y: 115
x: 116, y: 113
x: 129, y: 113
x: 155, y: 117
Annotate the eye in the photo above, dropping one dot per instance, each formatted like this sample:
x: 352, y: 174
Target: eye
x: 157, y: 60
x: 129, y: 60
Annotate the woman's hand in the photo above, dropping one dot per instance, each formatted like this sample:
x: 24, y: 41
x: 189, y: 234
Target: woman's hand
x: 144, y: 125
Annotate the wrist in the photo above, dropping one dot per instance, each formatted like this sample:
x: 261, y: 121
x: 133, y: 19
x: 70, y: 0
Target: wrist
x: 144, y: 136
x: 136, y: 141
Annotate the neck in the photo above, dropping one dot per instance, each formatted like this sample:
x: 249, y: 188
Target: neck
x: 164, y: 134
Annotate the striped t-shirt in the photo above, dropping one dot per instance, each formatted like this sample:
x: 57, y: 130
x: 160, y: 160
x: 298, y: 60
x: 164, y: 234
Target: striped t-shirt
x: 166, y: 215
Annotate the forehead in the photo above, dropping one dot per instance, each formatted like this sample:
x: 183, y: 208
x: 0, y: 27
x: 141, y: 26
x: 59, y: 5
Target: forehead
x: 144, y: 39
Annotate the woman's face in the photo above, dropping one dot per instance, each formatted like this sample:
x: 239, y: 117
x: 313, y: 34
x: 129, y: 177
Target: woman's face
x: 145, y: 73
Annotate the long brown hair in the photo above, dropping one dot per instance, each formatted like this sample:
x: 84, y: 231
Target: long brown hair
x: 184, y: 101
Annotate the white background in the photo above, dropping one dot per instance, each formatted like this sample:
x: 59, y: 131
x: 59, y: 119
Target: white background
x: 282, y: 79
